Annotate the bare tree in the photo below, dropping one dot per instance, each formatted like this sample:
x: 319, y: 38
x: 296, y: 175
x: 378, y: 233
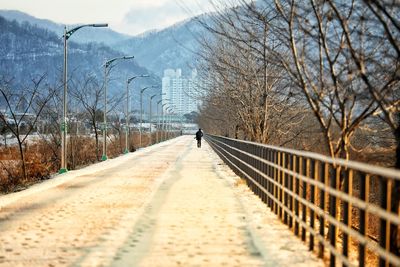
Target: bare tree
x: 244, y: 74
x: 50, y: 134
x: 117, y: 128
x: 372, y: 38
x: 89, y: 94
x: 22, y: 110
x: 319, y: 66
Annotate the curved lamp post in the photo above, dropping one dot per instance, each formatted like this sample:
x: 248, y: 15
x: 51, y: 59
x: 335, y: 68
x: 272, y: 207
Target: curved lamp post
x: 151, y: 98
x: 162, y: 118
x: 169, y: 121
x: 166, y: 126
x: 127, y: 118
x: 141, y: 112
x: 163, y: 127
x: 150, y: 116
x: 106, y: 65
x: 172, y: 132
x: 158, y: 120
x: 66, y: 36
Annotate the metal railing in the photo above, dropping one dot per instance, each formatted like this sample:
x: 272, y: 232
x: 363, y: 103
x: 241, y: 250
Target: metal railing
x: 342, y: 209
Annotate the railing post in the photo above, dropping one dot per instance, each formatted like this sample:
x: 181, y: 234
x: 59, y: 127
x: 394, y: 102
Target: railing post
x: 280, y: 191
x: 384, y: 238
x: 312, y: 170
x: 324, y: 179
x: 333, y: 212
x: 249, y: 160
x: 258, y: 167
x: 297, y: 192
x: 363, y: 220
x: 264, y: 171
x: 291, y: 163
x: 240, y: 164
x: 348, y: 189
x: 231, y: 143
x: 270, y: 172
x: 304, y: 196
x: 250, y: 149
x: 285, y: 184
x: 276, y: 173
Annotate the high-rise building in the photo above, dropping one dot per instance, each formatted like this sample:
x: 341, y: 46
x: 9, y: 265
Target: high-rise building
x: 180, y: 91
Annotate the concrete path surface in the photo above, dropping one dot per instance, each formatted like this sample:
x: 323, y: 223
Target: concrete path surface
x: 171, y: 204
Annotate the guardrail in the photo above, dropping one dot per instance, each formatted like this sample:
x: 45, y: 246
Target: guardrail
x: 342, y: 209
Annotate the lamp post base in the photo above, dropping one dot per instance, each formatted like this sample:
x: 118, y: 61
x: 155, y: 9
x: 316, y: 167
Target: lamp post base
x: 104, y: 158
x: 62, y: 170
x: 126, y: 151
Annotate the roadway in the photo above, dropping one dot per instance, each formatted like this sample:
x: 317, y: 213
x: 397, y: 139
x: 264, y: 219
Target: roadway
x: 171, y: 204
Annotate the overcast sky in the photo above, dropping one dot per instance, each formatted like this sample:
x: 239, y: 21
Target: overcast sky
x: 127, y: 16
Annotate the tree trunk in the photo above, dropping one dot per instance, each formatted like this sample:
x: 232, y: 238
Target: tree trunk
x: 121, y: 145
x: 22, y: 157
x: 72, y: 149
x: 96, y: 136
x: 394, y: 229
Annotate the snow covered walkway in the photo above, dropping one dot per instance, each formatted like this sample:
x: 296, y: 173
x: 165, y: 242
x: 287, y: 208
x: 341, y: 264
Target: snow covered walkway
x: 171, y: 204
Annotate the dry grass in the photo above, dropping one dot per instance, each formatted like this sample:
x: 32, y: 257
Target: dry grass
x: 40, y: 164
x: 240, y: 182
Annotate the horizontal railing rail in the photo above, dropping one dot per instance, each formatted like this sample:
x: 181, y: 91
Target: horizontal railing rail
x: 338, y: 207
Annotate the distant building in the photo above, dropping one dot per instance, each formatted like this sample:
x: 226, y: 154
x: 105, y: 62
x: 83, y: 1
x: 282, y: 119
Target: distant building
x: 180, y: 91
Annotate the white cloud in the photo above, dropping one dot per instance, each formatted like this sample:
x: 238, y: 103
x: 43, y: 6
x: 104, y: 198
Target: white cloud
x: 129, y: 16
x: 142, y: 18
x: 145, y: 16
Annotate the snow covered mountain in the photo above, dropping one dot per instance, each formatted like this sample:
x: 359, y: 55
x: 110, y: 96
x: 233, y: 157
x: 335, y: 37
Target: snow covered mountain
x: 172, y: 47
x: 85, y: 35
x: 27, y: 51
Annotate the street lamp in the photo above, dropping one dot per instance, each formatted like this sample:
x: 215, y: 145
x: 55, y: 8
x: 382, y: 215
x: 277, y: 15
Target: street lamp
x: 141, y: 112
x: 150, y: 117
x: 66, y: 36
x: 171, y: 120
x: 168, y: 124
x: 173, y: 117
x: 172, y: 128
x: 106, y: 65
x: 158, y: 121
x: 163, y: 121
x: 128, y: 81
x: 151, y: 98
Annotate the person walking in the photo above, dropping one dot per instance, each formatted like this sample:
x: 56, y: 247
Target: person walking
x: 199, y: 135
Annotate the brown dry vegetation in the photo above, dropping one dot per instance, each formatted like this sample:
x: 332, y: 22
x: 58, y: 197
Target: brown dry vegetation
x: 39, y: 161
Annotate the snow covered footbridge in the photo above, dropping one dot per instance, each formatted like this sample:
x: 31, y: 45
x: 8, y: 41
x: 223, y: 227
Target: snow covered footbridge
x: 171, y: 204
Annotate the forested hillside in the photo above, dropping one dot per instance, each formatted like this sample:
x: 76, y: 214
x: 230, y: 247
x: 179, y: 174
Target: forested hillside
x: 27, y: 51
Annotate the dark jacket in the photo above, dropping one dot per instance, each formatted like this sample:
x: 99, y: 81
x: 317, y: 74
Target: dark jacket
x: 199, y: 135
